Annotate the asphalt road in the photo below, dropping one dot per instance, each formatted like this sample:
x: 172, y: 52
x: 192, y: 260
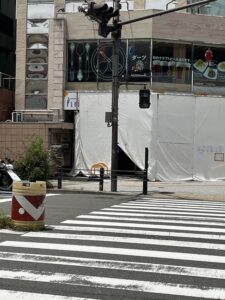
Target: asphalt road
x: 114, y: 247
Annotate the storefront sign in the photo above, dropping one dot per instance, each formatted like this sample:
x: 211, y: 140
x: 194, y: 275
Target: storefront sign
x: 71, y: 100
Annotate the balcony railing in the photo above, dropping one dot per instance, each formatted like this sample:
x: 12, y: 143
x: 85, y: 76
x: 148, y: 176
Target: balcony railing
x: 7, y: 81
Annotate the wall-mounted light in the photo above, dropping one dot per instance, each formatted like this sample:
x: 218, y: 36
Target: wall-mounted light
x: 172, y: 1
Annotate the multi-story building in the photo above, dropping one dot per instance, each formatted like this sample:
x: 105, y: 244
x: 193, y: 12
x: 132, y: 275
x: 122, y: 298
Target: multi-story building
x: 7, y: 58
x: 61, y: 59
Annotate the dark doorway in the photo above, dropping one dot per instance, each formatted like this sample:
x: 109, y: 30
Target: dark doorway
x: 125, y: 165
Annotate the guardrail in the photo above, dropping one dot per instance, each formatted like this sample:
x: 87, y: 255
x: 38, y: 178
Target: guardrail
x: 103, y: 172
x: 102, y: 177
x: 7, y: 81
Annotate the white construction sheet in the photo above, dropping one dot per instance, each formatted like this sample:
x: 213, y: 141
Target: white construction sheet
x: 209, y: 139
x: 93, y: 137
x: 184, y: 134
x: 136, y: 130
x: 175, y: 128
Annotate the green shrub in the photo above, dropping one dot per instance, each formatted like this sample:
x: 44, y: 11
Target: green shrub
x: 36, y: 162
x: 5, y: 221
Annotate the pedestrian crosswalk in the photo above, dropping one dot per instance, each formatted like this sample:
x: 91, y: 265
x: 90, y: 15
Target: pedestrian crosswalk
x: 145, y: 248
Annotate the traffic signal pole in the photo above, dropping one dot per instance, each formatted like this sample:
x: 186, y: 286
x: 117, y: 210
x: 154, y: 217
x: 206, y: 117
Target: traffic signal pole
x: 115, y: 96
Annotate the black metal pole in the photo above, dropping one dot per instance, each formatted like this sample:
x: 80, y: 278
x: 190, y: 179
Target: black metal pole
x: 59, y: 177
x: 115, y: 96
x: 101, y: 180
x: 145, y: 179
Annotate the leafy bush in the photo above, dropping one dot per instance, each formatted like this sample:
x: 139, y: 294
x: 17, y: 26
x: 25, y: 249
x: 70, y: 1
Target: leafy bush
x: 36, y: 162
x: 5, y: 221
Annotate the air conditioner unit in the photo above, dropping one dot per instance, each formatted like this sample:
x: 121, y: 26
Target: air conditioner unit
x: 17, y: 116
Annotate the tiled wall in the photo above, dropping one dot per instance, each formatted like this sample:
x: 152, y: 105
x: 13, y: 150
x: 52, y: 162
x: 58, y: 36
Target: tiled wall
x: 15, y: 137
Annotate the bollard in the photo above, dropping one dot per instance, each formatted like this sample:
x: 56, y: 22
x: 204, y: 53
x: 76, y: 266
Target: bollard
x: 28, y: 209
x: 60, y: 178
x: 145, y: 177
x: 101, y: 180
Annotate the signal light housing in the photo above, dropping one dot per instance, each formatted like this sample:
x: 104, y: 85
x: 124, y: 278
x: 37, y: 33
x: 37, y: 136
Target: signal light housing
x: 144, y: 98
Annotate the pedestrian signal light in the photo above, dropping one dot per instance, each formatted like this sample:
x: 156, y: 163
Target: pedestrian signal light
x: 144, y: 98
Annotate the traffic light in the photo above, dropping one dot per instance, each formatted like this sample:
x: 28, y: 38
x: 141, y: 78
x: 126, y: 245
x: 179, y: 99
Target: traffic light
x: 144, y: 98
x: 102, y: 13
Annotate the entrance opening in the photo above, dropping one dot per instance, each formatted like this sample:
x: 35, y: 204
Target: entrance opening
x: 125, y: 165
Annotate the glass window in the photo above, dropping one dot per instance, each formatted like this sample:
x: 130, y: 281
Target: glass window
x: 103, y: 61
x: 209, y: 69
x: 37, y: 56
x: 35, y: 102
x: 88, y: 61
x: 216, y: 8
x: 37, y: 41
x: 37, y: 70
x: 80, y: 66
x: 40, y: 10
x: 138, y: 55
x: 37, y: 26
x: 171, y: 63
x: 36, y: 87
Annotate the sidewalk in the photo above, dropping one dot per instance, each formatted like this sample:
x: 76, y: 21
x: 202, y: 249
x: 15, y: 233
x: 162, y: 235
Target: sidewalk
x: 201, y: 190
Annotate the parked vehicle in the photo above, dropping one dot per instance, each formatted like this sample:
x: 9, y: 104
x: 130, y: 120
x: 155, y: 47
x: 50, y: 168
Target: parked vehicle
x: 6, y: 167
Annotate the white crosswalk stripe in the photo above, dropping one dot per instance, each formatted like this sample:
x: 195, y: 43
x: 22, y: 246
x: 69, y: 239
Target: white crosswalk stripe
x: 9, y: 199
x: 148, y: 248
x: 15, y: 295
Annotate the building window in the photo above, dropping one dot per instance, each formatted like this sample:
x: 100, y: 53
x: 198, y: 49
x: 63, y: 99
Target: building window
x: 36, y: 88
x: 171, y: 63
x: 209, y: 69
x: 89, y: 61
x: 41, y: 9
x: 138, y: 55
x: 92, y: 61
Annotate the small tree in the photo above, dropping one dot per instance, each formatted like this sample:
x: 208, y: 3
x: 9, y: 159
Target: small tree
x: 35, y: 164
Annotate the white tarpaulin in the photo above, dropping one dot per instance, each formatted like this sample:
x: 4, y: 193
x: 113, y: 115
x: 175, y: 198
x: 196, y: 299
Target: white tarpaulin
x: 184, y: 134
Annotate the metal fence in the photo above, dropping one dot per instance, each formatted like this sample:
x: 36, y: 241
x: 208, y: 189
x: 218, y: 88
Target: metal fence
x: 7, y: 81
x: 100, y: 180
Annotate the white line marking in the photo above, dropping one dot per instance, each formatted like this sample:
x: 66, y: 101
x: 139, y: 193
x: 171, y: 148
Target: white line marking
x: 156, y: 242
x: 117, y: 251
x: 10, y: 199
x: 5, y: 200
x: 117, y: 283
x: 176, y: 205
x: 192, y: 235
x: 149, y: 220
x: 15, y: 295
x: 168, y: 200
x: 151, y: 226
x: 164, y: 216
x: 184, y: 209
x: 114, y: 265
x: 180, y: 202
x: 127, y: 209
x: 8, y: 231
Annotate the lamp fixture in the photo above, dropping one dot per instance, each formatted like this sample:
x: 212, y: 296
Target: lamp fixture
x: 172, y: 1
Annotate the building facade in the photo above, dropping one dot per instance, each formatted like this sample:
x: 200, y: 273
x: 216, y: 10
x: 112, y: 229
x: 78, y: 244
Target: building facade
x: 59, y: 53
